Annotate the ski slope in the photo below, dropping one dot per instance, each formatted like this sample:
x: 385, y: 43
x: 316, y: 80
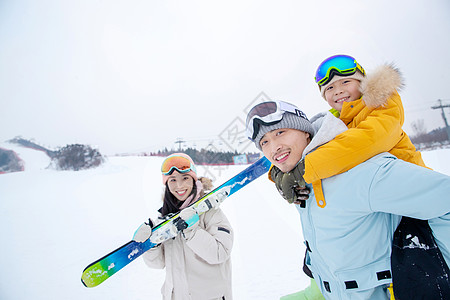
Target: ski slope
x: 54, y: 223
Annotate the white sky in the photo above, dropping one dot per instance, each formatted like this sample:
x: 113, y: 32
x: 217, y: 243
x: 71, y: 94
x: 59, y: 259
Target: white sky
x: 131, y: 76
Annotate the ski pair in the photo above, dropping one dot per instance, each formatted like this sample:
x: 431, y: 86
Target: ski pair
x: 103, y: 268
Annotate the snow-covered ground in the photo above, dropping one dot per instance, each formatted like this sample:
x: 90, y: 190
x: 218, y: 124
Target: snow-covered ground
x: 54, y: 223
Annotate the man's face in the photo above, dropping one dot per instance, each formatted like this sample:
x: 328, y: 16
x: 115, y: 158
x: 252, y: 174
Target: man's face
x: 343, y: 90
x: 284, y: 147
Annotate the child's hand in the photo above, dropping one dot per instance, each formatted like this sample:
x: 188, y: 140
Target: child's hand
x: 144, y: 232
x: 190, y: 216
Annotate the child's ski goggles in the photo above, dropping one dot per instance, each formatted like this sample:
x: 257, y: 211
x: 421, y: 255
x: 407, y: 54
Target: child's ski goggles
x: 267, y: 114
x: 342, y: 65
x: 177, y: 162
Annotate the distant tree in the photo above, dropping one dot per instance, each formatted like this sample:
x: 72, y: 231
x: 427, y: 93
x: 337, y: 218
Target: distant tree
x: 77, y: 157
x: 419, y: 128
x: 433, y: 138
x: 203, y: 156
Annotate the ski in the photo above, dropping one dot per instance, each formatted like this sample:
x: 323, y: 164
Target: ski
x: 103, y: 268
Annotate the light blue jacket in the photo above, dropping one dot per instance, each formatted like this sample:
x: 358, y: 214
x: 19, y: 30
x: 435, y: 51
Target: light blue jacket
x: 350, y: 239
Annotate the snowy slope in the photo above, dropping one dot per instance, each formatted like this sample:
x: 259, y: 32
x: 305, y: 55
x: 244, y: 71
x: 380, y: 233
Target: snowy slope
x: 438, y: 160
x: 54, y: 223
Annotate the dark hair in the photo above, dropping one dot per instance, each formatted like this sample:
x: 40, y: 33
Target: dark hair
x: 171, y: 204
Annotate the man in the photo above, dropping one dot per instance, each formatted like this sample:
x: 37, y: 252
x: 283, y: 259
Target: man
x: 349, y: 227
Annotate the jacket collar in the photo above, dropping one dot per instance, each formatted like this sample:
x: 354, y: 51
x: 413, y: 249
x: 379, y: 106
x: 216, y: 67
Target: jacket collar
x: 326, y: 127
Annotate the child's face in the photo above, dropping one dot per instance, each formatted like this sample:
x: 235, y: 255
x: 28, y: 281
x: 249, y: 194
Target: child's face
x: 180, y: 185
x: 284, y: 147
x: 343, y: 90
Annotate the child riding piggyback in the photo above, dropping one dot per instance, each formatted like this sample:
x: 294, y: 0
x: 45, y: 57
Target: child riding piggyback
x: 370, y: 106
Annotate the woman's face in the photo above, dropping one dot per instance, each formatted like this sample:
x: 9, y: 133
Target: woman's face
x: 180, y: 185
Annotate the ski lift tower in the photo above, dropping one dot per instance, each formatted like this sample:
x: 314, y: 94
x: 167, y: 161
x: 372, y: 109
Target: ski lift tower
x: 179, y: 141
x: 440, y: 106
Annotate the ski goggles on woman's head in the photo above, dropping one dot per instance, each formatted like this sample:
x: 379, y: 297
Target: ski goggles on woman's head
x: 268, y: 113
x: 342, y: 65
x: 177, y: 162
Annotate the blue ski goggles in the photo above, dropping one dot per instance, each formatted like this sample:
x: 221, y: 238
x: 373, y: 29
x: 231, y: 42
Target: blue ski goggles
x: 267, y: 114
x: 342, y: 65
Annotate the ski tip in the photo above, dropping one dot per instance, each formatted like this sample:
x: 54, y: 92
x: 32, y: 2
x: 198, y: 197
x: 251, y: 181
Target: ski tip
x: 93, y: 277
x: 83, y: 283
x: 87, y: 283
x: 90, y: 284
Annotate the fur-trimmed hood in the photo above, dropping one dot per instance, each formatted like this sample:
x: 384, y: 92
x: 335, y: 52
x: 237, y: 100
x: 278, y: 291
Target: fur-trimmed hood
x: 379, y: 85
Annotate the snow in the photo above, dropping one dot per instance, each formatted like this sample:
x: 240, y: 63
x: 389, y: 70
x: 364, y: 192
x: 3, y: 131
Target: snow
x: 54, y: 223
x: 415, y: 243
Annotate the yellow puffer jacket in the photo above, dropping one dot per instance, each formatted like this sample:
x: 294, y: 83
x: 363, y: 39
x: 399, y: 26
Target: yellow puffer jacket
x: 375, y: 125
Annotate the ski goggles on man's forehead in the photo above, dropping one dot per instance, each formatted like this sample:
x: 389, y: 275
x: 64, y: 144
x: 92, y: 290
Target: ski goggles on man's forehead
x: 342, y: 65
x: 176, y: 162
x: 268, y: 113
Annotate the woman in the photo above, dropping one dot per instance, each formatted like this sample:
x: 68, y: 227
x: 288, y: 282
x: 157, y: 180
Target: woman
x: 197, y: 261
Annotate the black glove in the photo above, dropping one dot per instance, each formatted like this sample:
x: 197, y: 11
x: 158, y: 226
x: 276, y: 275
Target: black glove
x: 291, y: 185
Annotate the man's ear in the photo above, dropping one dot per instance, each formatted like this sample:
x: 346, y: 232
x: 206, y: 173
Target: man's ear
x: 308, y: 137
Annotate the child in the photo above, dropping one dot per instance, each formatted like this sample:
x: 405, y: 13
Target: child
x: 371, y: 108
x: 197, y: 261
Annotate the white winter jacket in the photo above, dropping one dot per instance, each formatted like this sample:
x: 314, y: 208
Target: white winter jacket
x: 200, y: 268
